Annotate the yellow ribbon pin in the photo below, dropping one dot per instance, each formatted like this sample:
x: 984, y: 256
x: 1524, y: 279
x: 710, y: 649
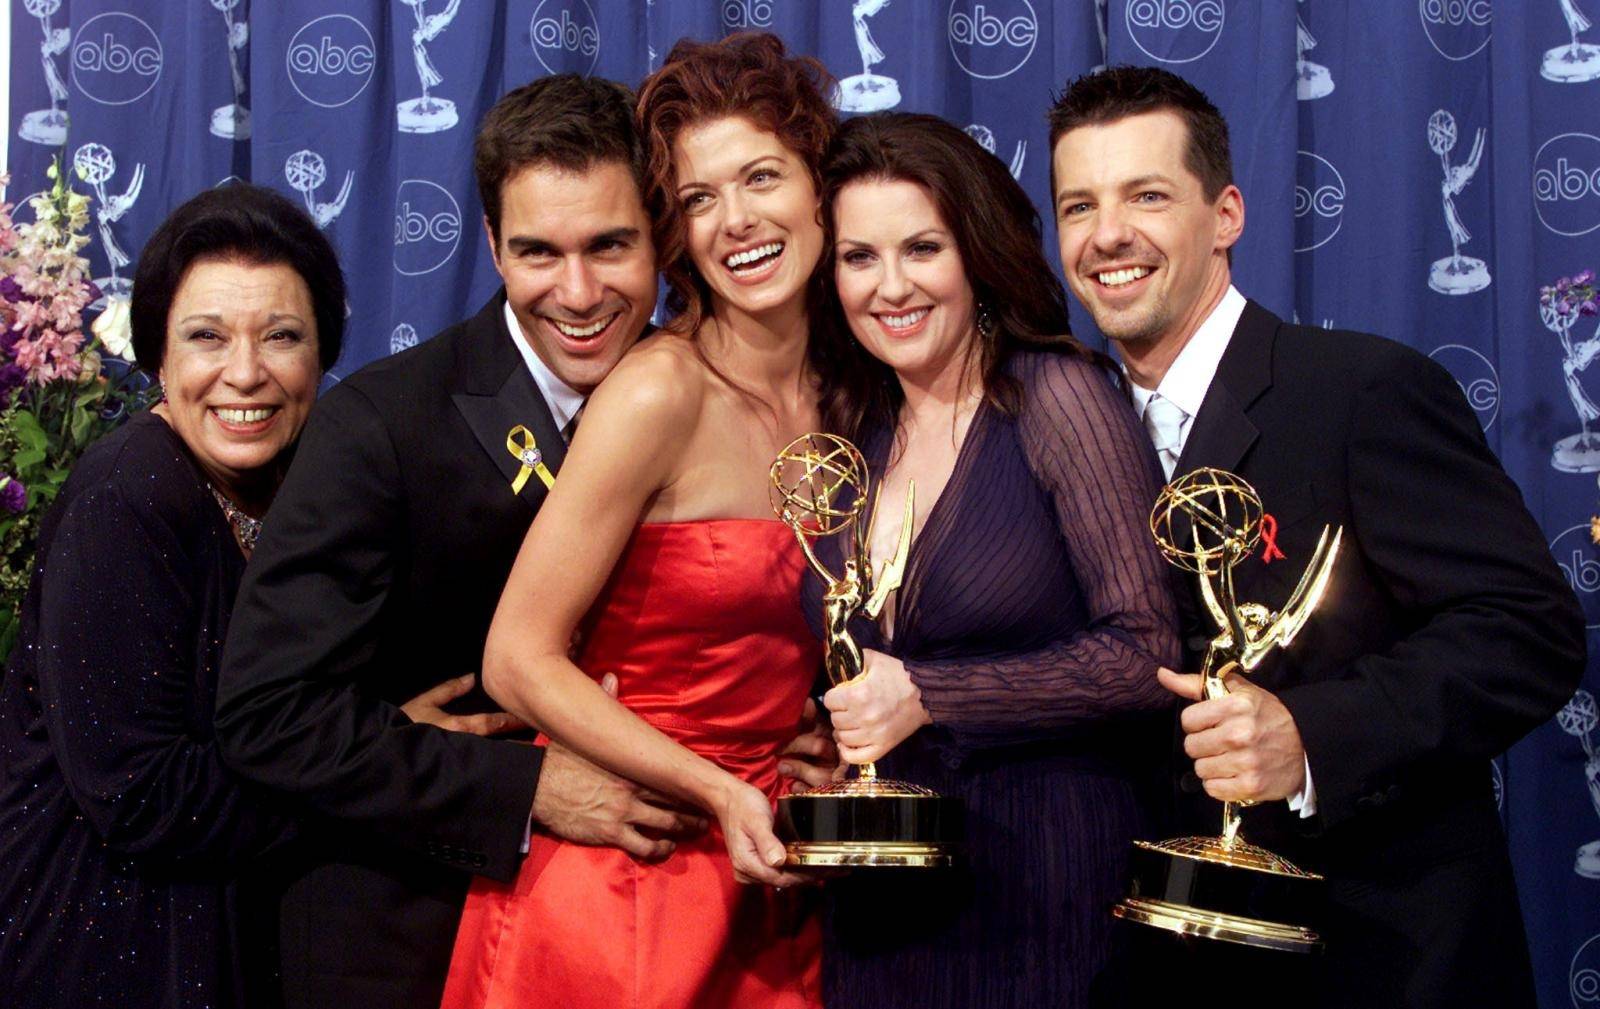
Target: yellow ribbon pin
x: 520, y: 443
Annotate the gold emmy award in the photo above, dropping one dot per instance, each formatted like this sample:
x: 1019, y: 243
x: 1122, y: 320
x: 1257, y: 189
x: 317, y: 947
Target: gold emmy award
x: 1224, y: 887
x: 820, y: 488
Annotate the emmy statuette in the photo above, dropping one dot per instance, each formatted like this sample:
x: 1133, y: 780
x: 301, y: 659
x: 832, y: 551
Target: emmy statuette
x: 820, y: 488
x: 1223, y: 887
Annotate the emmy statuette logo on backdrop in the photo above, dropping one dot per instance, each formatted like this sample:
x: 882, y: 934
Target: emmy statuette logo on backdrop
x: 985, y: 137
x: 565, y: 35
x: 1457, y: 29
x: 331, y: 59
x: 427, y: 114
x: 1577, y: 453
x: 48, y: 126
x: 1175, y: 31
x: 305, y: 171
x: 867, y: 91
x: 116, y: 58
x: 404, y: 337
x: 991, y: 39
x: 1102, y: 26
x: 95, y: 165
x: 1455, y: 274
x: 1577, y: 61
x: 1579, y: 718
x: 232, y: 121
x: 1311, y: 80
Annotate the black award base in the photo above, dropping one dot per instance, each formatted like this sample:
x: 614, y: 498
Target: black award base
x: 870, y: 822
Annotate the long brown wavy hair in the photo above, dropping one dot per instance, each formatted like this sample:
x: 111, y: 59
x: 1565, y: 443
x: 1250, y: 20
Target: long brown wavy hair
x: 998, y: 235
x: 750, y: 75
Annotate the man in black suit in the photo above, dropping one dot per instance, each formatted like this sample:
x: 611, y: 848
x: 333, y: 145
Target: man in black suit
x: 385, y: 555
x: 1447, y: 632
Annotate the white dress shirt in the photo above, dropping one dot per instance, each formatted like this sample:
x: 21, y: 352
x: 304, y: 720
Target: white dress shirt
x: 563, y: 399
x: 1186, y: 384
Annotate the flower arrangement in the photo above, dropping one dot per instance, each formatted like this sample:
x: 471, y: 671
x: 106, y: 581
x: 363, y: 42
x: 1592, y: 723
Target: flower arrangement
x: 58, y: 391
x: 1568, y: 298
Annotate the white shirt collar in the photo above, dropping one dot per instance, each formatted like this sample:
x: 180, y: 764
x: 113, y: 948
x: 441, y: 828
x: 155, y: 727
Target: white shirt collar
x: 1186, y: 382
x: 564, y: 401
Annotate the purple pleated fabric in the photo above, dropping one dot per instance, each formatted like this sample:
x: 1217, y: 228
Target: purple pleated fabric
x: 1034, y: 613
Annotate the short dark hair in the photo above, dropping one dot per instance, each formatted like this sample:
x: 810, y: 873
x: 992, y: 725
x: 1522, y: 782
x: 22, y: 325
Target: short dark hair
x: 240, y: 222
x: 747, y: 74
x: 565, y: 121
x: 997, y: 234
x: 1119, y: 92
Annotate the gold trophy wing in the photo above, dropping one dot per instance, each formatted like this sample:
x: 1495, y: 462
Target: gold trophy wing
x: 888, y: 579
x: 1287, y: 622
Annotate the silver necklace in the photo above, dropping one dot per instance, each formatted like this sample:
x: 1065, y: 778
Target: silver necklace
x: 246, y: 529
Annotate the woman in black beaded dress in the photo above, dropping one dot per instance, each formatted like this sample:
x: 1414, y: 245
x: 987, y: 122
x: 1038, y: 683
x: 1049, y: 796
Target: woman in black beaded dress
x: 128, y: 852
x: 1015, y: 667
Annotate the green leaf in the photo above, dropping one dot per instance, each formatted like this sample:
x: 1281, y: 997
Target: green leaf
x: 28, y: 458
x: 28, y: 431
x: 82, y: 421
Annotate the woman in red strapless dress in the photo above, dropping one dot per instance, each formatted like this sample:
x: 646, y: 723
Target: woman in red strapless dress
x: 658, y: 538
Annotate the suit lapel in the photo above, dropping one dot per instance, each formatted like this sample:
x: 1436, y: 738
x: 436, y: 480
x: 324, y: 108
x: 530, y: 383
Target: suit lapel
x: 1223, y: 432
x: 495, y: 393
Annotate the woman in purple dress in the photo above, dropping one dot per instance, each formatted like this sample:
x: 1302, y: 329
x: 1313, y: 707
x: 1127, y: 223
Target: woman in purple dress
x: 1015, y: 667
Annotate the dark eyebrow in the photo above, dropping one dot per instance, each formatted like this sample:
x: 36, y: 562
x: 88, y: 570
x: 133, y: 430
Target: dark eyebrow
x: 622, y: 235
x: 522, y: 244
x: 1068, y: 195
x: 216, y: 319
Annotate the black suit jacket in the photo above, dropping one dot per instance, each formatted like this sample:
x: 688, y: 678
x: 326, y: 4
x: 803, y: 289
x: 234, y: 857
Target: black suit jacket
x: 376, y: 577
x: 1446, y: 634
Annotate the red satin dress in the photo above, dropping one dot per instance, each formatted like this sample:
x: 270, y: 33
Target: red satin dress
x: 701, y: 623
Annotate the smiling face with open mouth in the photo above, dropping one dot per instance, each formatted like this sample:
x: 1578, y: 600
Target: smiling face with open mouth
x: 575, y: 254
x: 752, y: 210
x: 240, y: 368
x: 1141, y: 246
x: 900, y: 279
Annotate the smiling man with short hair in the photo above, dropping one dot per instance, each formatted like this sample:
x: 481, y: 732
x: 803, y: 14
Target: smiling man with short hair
x: 1447, y: 631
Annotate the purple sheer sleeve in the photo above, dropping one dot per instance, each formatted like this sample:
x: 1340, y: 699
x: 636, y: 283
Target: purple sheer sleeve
x: 1085, y: 449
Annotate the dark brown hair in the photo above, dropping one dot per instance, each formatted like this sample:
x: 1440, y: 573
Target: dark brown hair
x: 242, y: 223
x: 750, y: 75
x: 997, y: 234
x: 566, y: 121
x: 1119, y: 92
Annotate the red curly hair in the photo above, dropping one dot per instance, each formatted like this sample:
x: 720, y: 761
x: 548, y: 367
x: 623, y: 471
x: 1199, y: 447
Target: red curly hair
x: 748, y: 74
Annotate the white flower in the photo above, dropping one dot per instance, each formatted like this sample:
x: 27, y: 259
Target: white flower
x: 114, y: 330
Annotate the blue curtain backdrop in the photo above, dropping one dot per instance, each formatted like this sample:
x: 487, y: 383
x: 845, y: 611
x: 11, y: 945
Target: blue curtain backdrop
x: 1415, y: 168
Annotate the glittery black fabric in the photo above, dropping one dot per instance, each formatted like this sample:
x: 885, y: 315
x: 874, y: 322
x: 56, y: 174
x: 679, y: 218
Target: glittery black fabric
x: 127, y: 851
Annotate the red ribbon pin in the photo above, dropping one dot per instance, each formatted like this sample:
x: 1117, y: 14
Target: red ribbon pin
x: 1269, y: 540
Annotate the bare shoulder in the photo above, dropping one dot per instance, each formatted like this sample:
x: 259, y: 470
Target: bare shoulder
x: 660, y: 381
